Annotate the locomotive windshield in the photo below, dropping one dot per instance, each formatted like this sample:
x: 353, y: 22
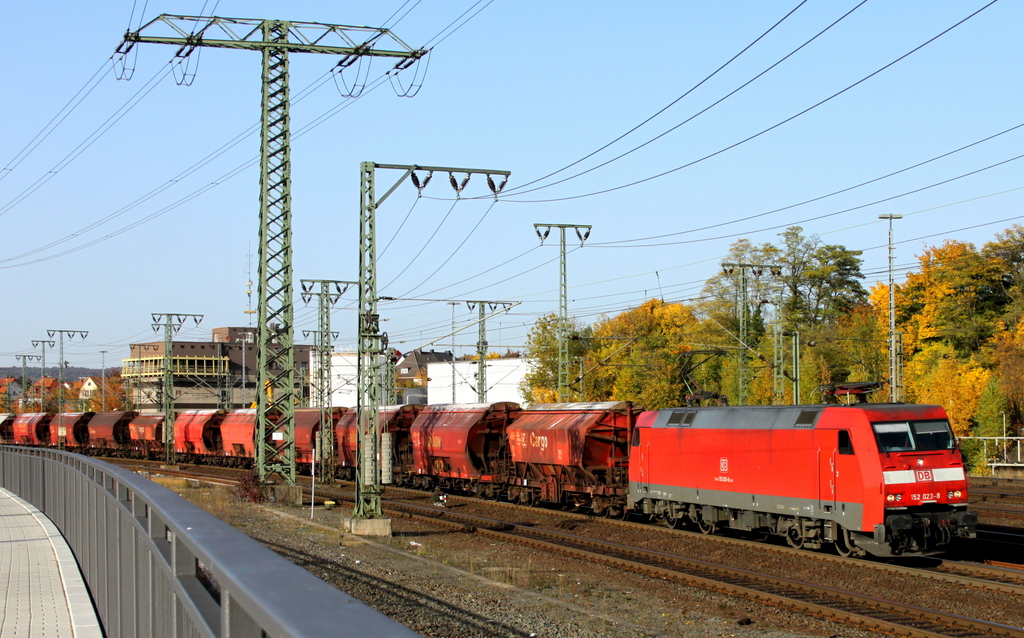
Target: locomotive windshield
x: 913, y: 436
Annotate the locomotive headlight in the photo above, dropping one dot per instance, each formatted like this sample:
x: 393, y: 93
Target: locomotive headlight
x: 899, y: 497
x: 956, y: 494
x: 891, y: 498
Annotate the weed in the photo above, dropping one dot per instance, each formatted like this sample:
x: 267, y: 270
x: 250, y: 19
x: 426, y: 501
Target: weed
x: 250, y: 489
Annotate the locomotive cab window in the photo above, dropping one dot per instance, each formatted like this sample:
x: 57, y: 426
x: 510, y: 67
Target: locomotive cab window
x: 845, y: 442
x: 636, y: 436
x: 913, y: 436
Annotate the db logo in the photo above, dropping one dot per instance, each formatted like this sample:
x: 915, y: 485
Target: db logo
x: 923, y: 475
x: 723, y: 464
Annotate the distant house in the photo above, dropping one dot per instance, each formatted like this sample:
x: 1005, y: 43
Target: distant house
x: 88, y: 388
x: 412, y: 367
x: 43, y: 395
x: 10, y: 391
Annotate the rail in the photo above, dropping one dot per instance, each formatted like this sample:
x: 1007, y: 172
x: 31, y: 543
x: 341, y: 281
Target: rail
x: 156, y: 565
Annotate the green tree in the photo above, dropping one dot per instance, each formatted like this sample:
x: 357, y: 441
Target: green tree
x: 541, y: 383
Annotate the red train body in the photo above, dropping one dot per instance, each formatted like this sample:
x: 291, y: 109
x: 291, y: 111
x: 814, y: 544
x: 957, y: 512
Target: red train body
x: 884, y: 479
x: 394, y: 422
x: 572, y: 453
x: 72, y: 427
x: 108, y: 431
x: 462, y: 446
x: 307, y: 428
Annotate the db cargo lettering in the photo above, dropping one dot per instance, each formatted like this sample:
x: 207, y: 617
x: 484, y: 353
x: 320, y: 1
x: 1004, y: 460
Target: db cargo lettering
x: 538, y: 441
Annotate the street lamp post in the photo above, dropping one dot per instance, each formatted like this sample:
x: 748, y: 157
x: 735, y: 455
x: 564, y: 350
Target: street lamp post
x: 895, y: 384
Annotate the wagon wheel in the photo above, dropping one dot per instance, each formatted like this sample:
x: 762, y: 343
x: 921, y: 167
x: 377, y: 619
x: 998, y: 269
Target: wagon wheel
x: 704, y: 526
x: 844, y: 546
x: 794, y: 537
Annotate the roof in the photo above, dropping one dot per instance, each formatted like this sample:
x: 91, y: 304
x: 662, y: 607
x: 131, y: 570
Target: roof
x: 418, y: 359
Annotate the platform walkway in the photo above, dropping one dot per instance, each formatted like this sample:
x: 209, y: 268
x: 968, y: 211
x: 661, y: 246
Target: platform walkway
x: 43, y: 590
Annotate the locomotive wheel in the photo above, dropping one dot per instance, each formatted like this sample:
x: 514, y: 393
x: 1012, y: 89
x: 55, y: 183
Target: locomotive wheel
x: 844, y: 546
x: 705, y: 527
x: 794, y: 537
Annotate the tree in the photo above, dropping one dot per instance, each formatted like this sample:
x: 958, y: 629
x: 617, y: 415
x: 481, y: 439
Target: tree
x: 635, y: 354
x: 541, y: 382
x: 955, y: 298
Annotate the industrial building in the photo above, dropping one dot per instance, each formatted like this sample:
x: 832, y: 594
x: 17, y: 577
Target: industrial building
x: 220, y: 373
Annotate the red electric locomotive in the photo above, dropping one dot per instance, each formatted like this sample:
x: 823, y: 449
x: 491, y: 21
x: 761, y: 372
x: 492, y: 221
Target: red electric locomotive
x: 884, y: 479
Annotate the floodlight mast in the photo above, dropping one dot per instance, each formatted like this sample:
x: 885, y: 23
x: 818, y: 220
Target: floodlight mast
x: 275, y: 39
x: 372, y: 343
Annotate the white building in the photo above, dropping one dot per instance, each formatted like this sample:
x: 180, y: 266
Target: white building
x: 344, y: 378
x: 504, y: 378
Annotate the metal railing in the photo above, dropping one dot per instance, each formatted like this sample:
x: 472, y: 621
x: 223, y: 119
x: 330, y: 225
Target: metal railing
x: 156, y: 565
x: 994, y: 451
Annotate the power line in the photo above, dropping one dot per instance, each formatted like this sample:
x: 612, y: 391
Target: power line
x: 55, y: 122
x: 702, y: 111
x: 820, y: 197
x: 762, y: 132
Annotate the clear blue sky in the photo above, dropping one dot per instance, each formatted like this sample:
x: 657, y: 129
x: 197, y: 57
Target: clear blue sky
x: 524, y: 86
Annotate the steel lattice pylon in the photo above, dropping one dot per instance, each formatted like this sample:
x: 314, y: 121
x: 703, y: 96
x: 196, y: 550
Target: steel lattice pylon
x: 326, y: 298
x: 563, y: 301
x: 372, y: 343
x: 275, y: 377
x: 275, y: 357
x: 172, y: 323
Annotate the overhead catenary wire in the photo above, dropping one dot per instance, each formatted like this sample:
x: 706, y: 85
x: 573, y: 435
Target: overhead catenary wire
x: 819, y: 197
x: 707, y: 108
x: 664, y: 108
x: 311, y: 125
x: 89, y: 140
x: 51, y: 126
x: 761, y: 132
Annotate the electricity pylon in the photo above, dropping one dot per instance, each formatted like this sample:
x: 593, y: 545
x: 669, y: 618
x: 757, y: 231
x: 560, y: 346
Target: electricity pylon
x: 371, y: 342
x: 326, y: 298
x: 61, y: 438
x: 42, y: 344
x: 275, y: 39
x: 563, y: 301
x: 481, y: 342
x: 172, y: 323
x: 743, y: 310
x: 24, y: 358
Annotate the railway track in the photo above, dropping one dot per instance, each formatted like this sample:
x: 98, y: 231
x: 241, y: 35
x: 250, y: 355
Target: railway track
x: 835, y: 604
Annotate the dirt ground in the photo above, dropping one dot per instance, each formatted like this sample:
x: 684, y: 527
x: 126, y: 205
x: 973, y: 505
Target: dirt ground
x: 444, y: 584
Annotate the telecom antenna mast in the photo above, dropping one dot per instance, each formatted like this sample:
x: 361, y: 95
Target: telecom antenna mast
x: 372, y: 343
x: 328, y: 295
x: 275, y: 39
x: 563, y: 301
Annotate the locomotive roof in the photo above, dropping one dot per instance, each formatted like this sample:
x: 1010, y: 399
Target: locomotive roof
x: 765, y: 416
